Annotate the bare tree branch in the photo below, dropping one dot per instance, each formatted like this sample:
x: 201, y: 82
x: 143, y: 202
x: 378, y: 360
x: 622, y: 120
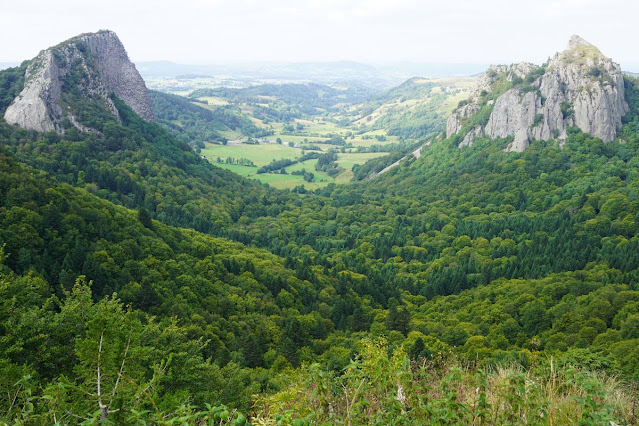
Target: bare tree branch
x: 76, y: 416
x: 126, y: 351
x: 104, y: 410
x: 14, y: 400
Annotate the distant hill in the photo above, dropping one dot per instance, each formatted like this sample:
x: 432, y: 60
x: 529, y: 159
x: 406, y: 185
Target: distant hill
x: 197, y: 124
x: 307, y: 98
x: 380, y: 76
x: 417, y: 108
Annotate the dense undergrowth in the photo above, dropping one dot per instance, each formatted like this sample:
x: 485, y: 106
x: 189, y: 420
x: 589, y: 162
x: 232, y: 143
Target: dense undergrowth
x: 391, y: 388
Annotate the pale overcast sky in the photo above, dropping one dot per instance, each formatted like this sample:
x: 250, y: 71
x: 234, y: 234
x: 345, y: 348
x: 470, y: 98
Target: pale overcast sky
x: 372, y: 31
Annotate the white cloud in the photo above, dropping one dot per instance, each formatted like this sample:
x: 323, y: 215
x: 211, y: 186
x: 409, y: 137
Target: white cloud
x: 218, y: 31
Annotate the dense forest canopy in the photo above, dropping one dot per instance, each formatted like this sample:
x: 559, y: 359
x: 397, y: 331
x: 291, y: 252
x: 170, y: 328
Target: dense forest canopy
x: 124, y: 252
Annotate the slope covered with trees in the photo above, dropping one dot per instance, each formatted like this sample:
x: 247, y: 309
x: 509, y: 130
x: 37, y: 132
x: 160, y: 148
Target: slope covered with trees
x: 140, y: 165
x: 416, y: 109
x: 182, y: 302
x: 461, y: 261
x: 309, y: 99
x: 197, y: 124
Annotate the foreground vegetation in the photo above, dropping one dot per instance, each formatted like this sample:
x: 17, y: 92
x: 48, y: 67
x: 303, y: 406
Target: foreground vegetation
x: 383, y: 388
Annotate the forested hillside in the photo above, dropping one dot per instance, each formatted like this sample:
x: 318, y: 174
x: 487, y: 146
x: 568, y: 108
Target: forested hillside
x: 416, y: 109
x: 140, y: 165
x: 449, y: 290
x: 230, y: 303
x: 197, y: 124
x: 307, y: 99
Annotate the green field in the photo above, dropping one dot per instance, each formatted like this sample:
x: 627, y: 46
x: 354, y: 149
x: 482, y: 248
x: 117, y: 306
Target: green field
x: 309, y: 165
x: 347, y: 161
x: 344, y: 177
x: 231, y: 134
x: 288, y: 181
x: 263, y: 154
x: 321, y: 127
x: 314, y: 132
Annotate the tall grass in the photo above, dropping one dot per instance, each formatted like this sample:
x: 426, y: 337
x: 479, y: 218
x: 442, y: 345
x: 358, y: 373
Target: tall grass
x: 383, y: 388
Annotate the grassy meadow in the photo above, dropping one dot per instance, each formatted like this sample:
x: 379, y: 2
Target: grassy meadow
x: 435, y: 95
x: 314, y: 133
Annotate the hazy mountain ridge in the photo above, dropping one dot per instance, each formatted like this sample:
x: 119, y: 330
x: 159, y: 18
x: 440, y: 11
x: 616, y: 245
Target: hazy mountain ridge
x: 165, y: 75
x: 307, y: 97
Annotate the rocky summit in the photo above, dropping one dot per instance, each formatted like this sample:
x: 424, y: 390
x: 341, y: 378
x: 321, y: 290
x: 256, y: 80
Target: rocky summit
x: 577, y: 87
x: 91, y: 66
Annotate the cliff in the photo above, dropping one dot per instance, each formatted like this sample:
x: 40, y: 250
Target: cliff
x: 577, y: 87
x: 91, y: 66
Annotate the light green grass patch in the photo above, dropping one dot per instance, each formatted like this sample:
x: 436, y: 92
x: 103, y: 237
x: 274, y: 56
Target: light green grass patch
x: 344, y: 177
x: 451, y: 102
x: 347, y: 161
x: 230, y: 134
x: 260, y: 155
x: 288, y: 181
x: 309, y: 165
x: 326, y: 127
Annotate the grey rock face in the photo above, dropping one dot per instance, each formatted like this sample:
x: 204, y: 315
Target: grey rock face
x: 511, y: 112
x: 42, y: 89
x: 453, y: 125
x: 484, y: 85
x: 118, y: 73
x: 107, y: 69
x: 578, y: 87
x: 469, y: 139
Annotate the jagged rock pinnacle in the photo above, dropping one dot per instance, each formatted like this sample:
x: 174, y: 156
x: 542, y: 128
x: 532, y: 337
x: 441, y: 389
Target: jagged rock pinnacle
x: 578, y: 87
x: 576, y: 41
x: 98, y: 65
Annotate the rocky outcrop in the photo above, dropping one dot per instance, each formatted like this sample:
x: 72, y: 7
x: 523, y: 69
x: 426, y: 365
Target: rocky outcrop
x: 454, y: 123
x: 514, y: 115
x: 578, y: 87
x: 96, y: 65
x: 117, y: 72
x: 34, y: 108
x: 484, y: 86
x: 469, y: 139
